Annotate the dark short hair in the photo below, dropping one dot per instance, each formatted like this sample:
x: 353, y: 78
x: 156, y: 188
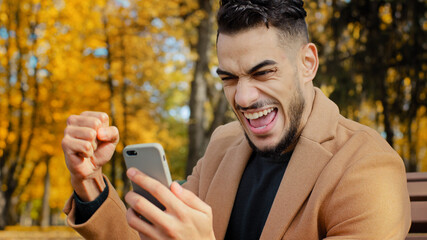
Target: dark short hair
x: 288, y: 16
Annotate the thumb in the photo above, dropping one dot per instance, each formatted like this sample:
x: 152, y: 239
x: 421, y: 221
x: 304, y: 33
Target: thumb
x: 108, y: 138
x: 189, y: 198
x: 108, y: 134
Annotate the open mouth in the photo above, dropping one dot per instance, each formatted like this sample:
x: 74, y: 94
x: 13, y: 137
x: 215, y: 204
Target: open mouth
x: 261, y: 119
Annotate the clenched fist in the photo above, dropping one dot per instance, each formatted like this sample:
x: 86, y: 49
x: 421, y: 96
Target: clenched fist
x: 89, y: 142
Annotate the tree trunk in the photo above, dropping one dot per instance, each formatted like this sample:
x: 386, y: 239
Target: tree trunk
x: 25, y: 217
x: 386, y: 111
x: 377, y: 70
x: 10, y: 215
x: 111, y: 87
x: 198, y: 95
x: 124, y: 132
x: 219, y: 116
x: 6, y: 151
x: 45, y: 212
x: 2, y: 210
x: 418, y: 84
x: 34, y: 115
x: 11, y: 160
x: 4, y: 158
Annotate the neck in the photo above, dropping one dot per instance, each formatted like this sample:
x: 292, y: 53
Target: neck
x: 309, y: 102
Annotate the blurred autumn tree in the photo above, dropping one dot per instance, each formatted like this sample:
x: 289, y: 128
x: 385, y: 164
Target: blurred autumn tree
x: 149, y: 64
x: 130, y: 59
x: 208, y: 105
x: 373, y: 63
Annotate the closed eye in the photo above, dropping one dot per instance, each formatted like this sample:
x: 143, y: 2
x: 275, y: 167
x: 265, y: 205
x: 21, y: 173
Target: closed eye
x: 265, y: 72
x: 228, y: 78
x: 261, y: 73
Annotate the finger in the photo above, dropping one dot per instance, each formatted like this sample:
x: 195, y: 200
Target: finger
x: 109, y: 137
x: 77, y: 146
x: 100, y: 115
x: 141, y: 226
x: 83, y: 133
x: 143, y: 237
x: 108, y: 134
x: 189, y: 198
x: 147, y: 209
x: 84, y: 121
x: 158, y: 190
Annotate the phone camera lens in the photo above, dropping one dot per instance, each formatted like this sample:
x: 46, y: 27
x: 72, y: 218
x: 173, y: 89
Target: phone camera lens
x: 131, y: 153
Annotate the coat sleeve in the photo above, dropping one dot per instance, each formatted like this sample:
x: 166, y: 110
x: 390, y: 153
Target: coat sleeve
x: 192, y: 182
x: 108, y: 222
x: 371, y: 201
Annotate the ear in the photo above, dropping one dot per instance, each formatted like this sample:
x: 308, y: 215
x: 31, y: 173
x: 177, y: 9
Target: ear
x: 309, y: 62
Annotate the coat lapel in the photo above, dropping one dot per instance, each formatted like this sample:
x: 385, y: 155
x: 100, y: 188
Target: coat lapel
x: 223, y: 188
x: 305, y: 166
x: 301, y: 174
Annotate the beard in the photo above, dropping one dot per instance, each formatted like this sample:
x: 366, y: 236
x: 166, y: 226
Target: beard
x: 291, y: 135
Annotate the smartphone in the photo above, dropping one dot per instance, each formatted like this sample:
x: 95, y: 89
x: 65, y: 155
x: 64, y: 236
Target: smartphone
x: 150, y: 159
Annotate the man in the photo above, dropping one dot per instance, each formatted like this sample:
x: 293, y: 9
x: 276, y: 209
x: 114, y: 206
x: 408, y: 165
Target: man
x: 293, y: 169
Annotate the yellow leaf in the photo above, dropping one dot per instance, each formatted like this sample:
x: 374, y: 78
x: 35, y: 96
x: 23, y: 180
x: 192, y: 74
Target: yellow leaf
x: 11, y: 137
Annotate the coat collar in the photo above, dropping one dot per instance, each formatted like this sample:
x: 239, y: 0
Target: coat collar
x: 224, y: 185
x: 323, y: 120
x: 306, y: 164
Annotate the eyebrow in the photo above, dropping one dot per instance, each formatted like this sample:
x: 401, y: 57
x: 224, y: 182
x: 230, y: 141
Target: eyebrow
x: 252, y: 70
x: 261, y: 65
x: 222, y: 72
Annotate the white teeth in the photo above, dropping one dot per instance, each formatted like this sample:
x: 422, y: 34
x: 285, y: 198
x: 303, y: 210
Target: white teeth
x: 259, y: 114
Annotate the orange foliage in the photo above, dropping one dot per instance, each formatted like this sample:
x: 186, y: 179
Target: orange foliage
x: 69, y: 51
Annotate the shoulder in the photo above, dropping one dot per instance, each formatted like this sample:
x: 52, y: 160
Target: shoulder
x: 367, y: 174
x: 358, y: 148
x: 231, y: 131
x: 353, y: 137
x: 223, y: 138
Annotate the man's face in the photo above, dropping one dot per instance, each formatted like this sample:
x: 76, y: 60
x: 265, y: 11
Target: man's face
x: 260, y: 79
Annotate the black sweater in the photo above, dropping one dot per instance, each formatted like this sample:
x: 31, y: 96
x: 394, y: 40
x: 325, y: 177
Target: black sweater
x: 255, y: 196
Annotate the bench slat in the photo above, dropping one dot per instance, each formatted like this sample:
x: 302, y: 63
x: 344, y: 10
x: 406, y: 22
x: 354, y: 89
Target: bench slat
x: 416, y: 236
x: 417, y: 188
x: 417, y: 191
x: 416, y: 176
x: 419, y: 212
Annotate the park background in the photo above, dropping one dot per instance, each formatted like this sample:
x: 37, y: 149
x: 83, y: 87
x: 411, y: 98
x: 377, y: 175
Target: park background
x: 150, y: 64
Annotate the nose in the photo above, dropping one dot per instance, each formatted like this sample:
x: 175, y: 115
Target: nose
x: 246, y: 93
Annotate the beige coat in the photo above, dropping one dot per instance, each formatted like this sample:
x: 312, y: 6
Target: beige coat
x: 342, y: 182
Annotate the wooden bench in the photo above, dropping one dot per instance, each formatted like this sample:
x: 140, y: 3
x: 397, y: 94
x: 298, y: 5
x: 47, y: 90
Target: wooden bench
x: 417, y: 187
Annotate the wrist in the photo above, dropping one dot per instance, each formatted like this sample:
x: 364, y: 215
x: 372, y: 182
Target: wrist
x: 90, y: 188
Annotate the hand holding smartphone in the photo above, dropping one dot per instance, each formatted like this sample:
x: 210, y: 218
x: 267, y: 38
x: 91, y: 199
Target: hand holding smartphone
x: 150, y: 159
